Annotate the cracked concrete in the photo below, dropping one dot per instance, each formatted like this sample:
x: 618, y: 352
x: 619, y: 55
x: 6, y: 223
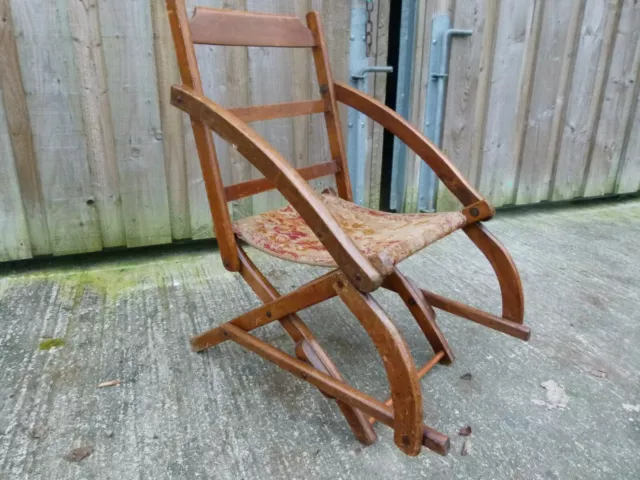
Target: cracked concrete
x: 227, y: 414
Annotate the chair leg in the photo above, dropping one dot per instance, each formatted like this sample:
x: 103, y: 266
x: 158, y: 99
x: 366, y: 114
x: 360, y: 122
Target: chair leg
x: 505, y: 269
x: 307, y: 347
x: 421, y: 311
x: 398, y: 363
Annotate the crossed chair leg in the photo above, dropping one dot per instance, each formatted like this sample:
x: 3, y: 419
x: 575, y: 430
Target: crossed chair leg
x: 403, y: 410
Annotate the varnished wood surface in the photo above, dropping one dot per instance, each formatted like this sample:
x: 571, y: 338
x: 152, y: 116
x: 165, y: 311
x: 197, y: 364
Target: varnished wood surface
x: 190, y: 74
x: 504, y: 268
x: 292, y: 186
x: 278, y: 110
x: 251, y: 187
x: 430, y: 438
x: 398, y: 364
x: 331, y: 111
x: 229, y: 27
x: 413, y: 138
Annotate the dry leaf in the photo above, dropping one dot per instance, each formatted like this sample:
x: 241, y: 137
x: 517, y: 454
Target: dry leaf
x: 466, y: 376
x: 465, y: 431
x: 598, y: 373
x: 110, y: 383
x: 78, y: 454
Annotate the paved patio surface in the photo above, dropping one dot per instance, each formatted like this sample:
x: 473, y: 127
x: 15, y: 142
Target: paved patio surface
x: 227, y: 414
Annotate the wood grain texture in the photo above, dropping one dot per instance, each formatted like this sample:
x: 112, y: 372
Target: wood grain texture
x: 398, y: 364
x: 378, y: 90
x: 21, y: 136
x: 133, y: 96
x: 289, y: 183
x: 425, y: 11
x: 331, y: 112
x: 618, y: 101
x: 213, y: 78
x: 628, y: 180
x: 96, y: 113
x: 167, y: 73
x: 597, y: 36
x: 278, y: 110
x: 258, y: 185
x: 270, y: 76
x: 227, y: 27
x: 53, y: 95
x: 468, y: 92
x: 550, y: 79
x: 14, y: 232
x: 210, y: 172
x: 414, y: 139
x: 508, y: 100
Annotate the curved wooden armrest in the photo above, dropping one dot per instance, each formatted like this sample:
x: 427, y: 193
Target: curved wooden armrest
x: 415, y: 140
x: 287, y: 180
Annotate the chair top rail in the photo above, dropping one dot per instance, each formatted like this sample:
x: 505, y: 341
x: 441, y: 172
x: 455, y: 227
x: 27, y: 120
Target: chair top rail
x: 211, y: 26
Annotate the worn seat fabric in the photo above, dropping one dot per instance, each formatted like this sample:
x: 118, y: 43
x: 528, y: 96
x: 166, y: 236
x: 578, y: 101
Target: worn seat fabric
x: 391, y: 237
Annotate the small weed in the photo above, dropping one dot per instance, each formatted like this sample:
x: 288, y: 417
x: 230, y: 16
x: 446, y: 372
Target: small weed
x: 50, y: 343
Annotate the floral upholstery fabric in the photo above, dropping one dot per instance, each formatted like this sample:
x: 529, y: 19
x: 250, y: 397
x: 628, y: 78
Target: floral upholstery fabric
x: 390, y: 236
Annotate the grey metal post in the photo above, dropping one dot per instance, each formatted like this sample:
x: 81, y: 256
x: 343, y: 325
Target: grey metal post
x: 358, y: 69
x: 408, y: 22
x: 441, y: 33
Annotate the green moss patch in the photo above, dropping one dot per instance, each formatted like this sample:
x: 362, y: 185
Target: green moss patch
x: 50, y: 343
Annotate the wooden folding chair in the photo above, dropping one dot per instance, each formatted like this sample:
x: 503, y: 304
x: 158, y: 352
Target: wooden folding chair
x: 363, y: 246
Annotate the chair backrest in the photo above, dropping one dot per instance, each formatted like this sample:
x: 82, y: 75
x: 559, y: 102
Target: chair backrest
x: 210, y: 26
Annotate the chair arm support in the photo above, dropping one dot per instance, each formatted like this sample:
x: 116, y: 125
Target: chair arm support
x: 287, y: 180
x: 414, y: 139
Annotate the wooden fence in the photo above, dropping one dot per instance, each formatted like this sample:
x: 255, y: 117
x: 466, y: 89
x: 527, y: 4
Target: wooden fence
x: 542, y: 98
x: 93, y: 156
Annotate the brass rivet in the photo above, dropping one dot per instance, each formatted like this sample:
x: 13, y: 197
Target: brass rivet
x: 179, y: 99
x: 474, y: 212
x: 340, y: 284
x: 269, y: 314
x: 357, y: 277
x: 411, y: 302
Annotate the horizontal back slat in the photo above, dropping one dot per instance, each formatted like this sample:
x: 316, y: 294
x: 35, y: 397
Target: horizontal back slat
x: 246, y: 189
x: 212, y: 26
x: 278, y: 110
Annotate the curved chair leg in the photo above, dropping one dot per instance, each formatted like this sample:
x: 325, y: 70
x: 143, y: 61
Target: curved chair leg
x: 398, y: 363
x: 421, y: 311
x: 307, y: 347
x: 505, y: 269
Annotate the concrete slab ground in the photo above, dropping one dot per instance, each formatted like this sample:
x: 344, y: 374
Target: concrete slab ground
x: 227, y: 414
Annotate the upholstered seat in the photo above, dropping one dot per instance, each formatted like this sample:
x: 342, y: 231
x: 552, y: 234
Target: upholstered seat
x: 381, y: 236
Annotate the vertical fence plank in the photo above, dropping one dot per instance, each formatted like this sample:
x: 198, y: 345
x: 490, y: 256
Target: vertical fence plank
x: 560, y: 24
x: 20, y: 135
x: 536, y: 165
x: 101, y: 149
x: 133, y: 96
x: 378, y: 82
x: 468, y: 91
x: 54, y: 101
x: 425, y: 11
x: 583, y: 108
x: 509, y: 96
x: 612, y: 133
x: 236, y: 93
x: 270, y: 80
x: 14, y: 233
x: 211, y: 62
x: 628, y: 180
x: 171, y: 119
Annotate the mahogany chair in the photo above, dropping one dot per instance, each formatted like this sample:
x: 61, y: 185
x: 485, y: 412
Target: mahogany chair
x: 362, y: 246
